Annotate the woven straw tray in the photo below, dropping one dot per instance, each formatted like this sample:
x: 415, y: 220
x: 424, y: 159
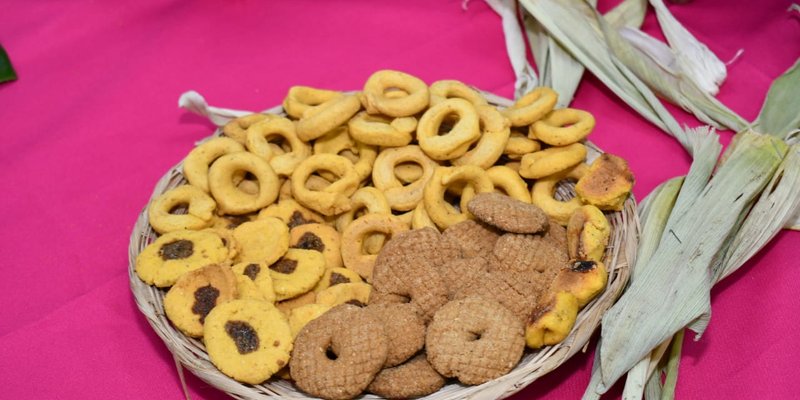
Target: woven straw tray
x: 190, y: 353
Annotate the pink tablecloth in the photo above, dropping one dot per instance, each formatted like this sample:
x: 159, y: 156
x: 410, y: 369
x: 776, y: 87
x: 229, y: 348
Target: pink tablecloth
x: 92, y: 124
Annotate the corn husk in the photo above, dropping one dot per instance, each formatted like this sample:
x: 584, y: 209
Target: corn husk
x: 674, y: 286
x: 515, y: 46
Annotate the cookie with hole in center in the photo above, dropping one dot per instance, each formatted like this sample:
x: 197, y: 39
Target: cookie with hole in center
x: 195, y: 294
x: 248, y: 340
x: 508, y: 214
x: 404, y: 329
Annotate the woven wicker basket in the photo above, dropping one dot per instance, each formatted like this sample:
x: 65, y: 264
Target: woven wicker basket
x: 191, y: 354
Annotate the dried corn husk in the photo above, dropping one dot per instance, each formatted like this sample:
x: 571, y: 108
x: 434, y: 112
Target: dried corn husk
x: 515, y: 46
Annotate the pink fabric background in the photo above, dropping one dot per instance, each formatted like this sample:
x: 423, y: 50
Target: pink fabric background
x: 92, y: 124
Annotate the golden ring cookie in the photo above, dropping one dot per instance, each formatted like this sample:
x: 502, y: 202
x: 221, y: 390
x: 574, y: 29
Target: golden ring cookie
x: 607, y: 183
x: 296, y: 273
x: 551, y: 161
x: 230, y: 199
x: 378, y: 130
x: 263, y: 240
x: 420, y: 218
x: 377, y: 102
x: 408, y: 172
x: 518, y: 145
x: 402, y: 197
x: 448, y: 89
x: 563, y: 127
x: 257, y: 274
x: 532, y: 106
x: 456, y: 141
x: 162, y: 262
x: 335, y: 198
x: 495, y: 133
x: 320, y: 237
x: 300, y: 99
x: 367, y: 200
x: 353, y: 240
x: 355, y: 293
x: 197, y: 162
x: 544, y: 189
x: 506, y: 181
x: 199, y: 214
x: 335, y: 142
x: 195, y: 294
x: 258, y: 143
x: 292, y: 213
x: 248, y: 340
x: 237, y: 128
x: 439, y: 210
x: 327, y: 116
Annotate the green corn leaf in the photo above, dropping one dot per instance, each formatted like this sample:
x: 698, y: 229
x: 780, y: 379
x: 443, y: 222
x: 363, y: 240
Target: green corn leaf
x: 7, y: 72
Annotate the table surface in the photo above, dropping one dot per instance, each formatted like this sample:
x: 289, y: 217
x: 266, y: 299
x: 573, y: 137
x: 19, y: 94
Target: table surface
x: 92, y: 124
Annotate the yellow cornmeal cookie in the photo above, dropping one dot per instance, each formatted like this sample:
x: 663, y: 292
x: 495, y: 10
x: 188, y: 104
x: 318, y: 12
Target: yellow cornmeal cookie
x: 196, y: 163
x: 263, y: 240
x: 248, y: 289
x: 543, y: 192
x: 162, y: 262
x: 320, y: 237
x: 248, y: 340
x: 291, y: 213
x: 336, y: 276
x: 518, y: 145
x: 552, y: 320
x: 300, y: 316
x: 222, y: 183
x: 200, y: 210
x: 230, y: 222
x: 607, y: 183
x: 195, y: 293
x: 287, y: 306
x: 588, y: 232
x: 296, y: 273
x: 258, y: 274
x: 237, y: 128
x: 551, y: 161
x: 351, y: 293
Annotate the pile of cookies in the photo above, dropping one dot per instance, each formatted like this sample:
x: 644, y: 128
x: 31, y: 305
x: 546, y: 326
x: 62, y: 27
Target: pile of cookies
x: 384, y: 240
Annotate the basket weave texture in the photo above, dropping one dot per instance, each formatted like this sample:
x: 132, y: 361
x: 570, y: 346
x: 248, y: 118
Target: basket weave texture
x: 190, y: 353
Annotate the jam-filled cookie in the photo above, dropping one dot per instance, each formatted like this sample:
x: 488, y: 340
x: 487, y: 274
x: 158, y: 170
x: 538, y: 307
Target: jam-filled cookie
x: 195, y: 294
x: 336, y: 276
x: 356, y: 294
x: 230, y: 222
x: 291, y: 213
x: 263, y: 240
x: 297, y: 272
x: 162, y: 262
x: 248, y: 340
x: 322, y: 238
x: 258, y: 275
x: 286, y: 306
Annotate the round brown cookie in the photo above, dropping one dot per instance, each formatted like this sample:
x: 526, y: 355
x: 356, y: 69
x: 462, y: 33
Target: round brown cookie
x: 459, y: 273
x: 338, y: 354
x: 248, y: 340
x: 404, y: 329
x: 475, y: 339
x: 527, y: 262
x: 557, y: 234
x: 508, y: 214
x: 475, y: 239
x: 194, y: 295
x: 496, y: 287
x: 320, y: 237
x: 414, y: 378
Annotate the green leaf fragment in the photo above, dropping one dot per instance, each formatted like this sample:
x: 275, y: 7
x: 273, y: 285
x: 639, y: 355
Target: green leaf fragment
x: 7, y: 72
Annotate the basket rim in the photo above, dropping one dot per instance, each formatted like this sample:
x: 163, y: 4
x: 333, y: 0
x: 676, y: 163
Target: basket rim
x: 190, y: 353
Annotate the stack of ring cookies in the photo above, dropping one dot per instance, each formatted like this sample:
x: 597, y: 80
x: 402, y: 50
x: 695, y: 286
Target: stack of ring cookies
x: 386, y: 240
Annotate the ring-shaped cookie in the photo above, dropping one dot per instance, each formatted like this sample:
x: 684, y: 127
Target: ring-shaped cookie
x: 300, y: 99
x: 335, y: 198
x: 495, y: 132
x: 237, y: 128
x: 231, y: 200
x: 375, y: 97
x: 258, y: 143
x: 197, y: 162
x: 563, y: 126
x: 532, y: 106
x: 378, y: 130
x: 408, y: 172
x: 448, y: 89
x: 291, y: 213
x: 402, y: 197
x: 199, y: 214
x: 335, y: 142
x: 420, y: 218
x: 551, y: 161
x: 454, y: 143
x: 318, y: 121
x: 442, y: 213
x: 544, y: 189
x: 368, y: 200
x: 519, y: 145
x: 353, y: 240
x: 505, y: 181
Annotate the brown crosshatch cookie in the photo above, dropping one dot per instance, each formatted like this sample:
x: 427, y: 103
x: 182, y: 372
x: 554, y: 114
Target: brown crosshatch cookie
x: 474, y: 238
x: 414, y: 378
x: 194, y: 295
x: 338, y: 354
x: 459, y: 273
x: 496, y: 287
x: 475, y: 340
x: 508, y: 214
x: 527, y: 262
x: 404, y: 329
